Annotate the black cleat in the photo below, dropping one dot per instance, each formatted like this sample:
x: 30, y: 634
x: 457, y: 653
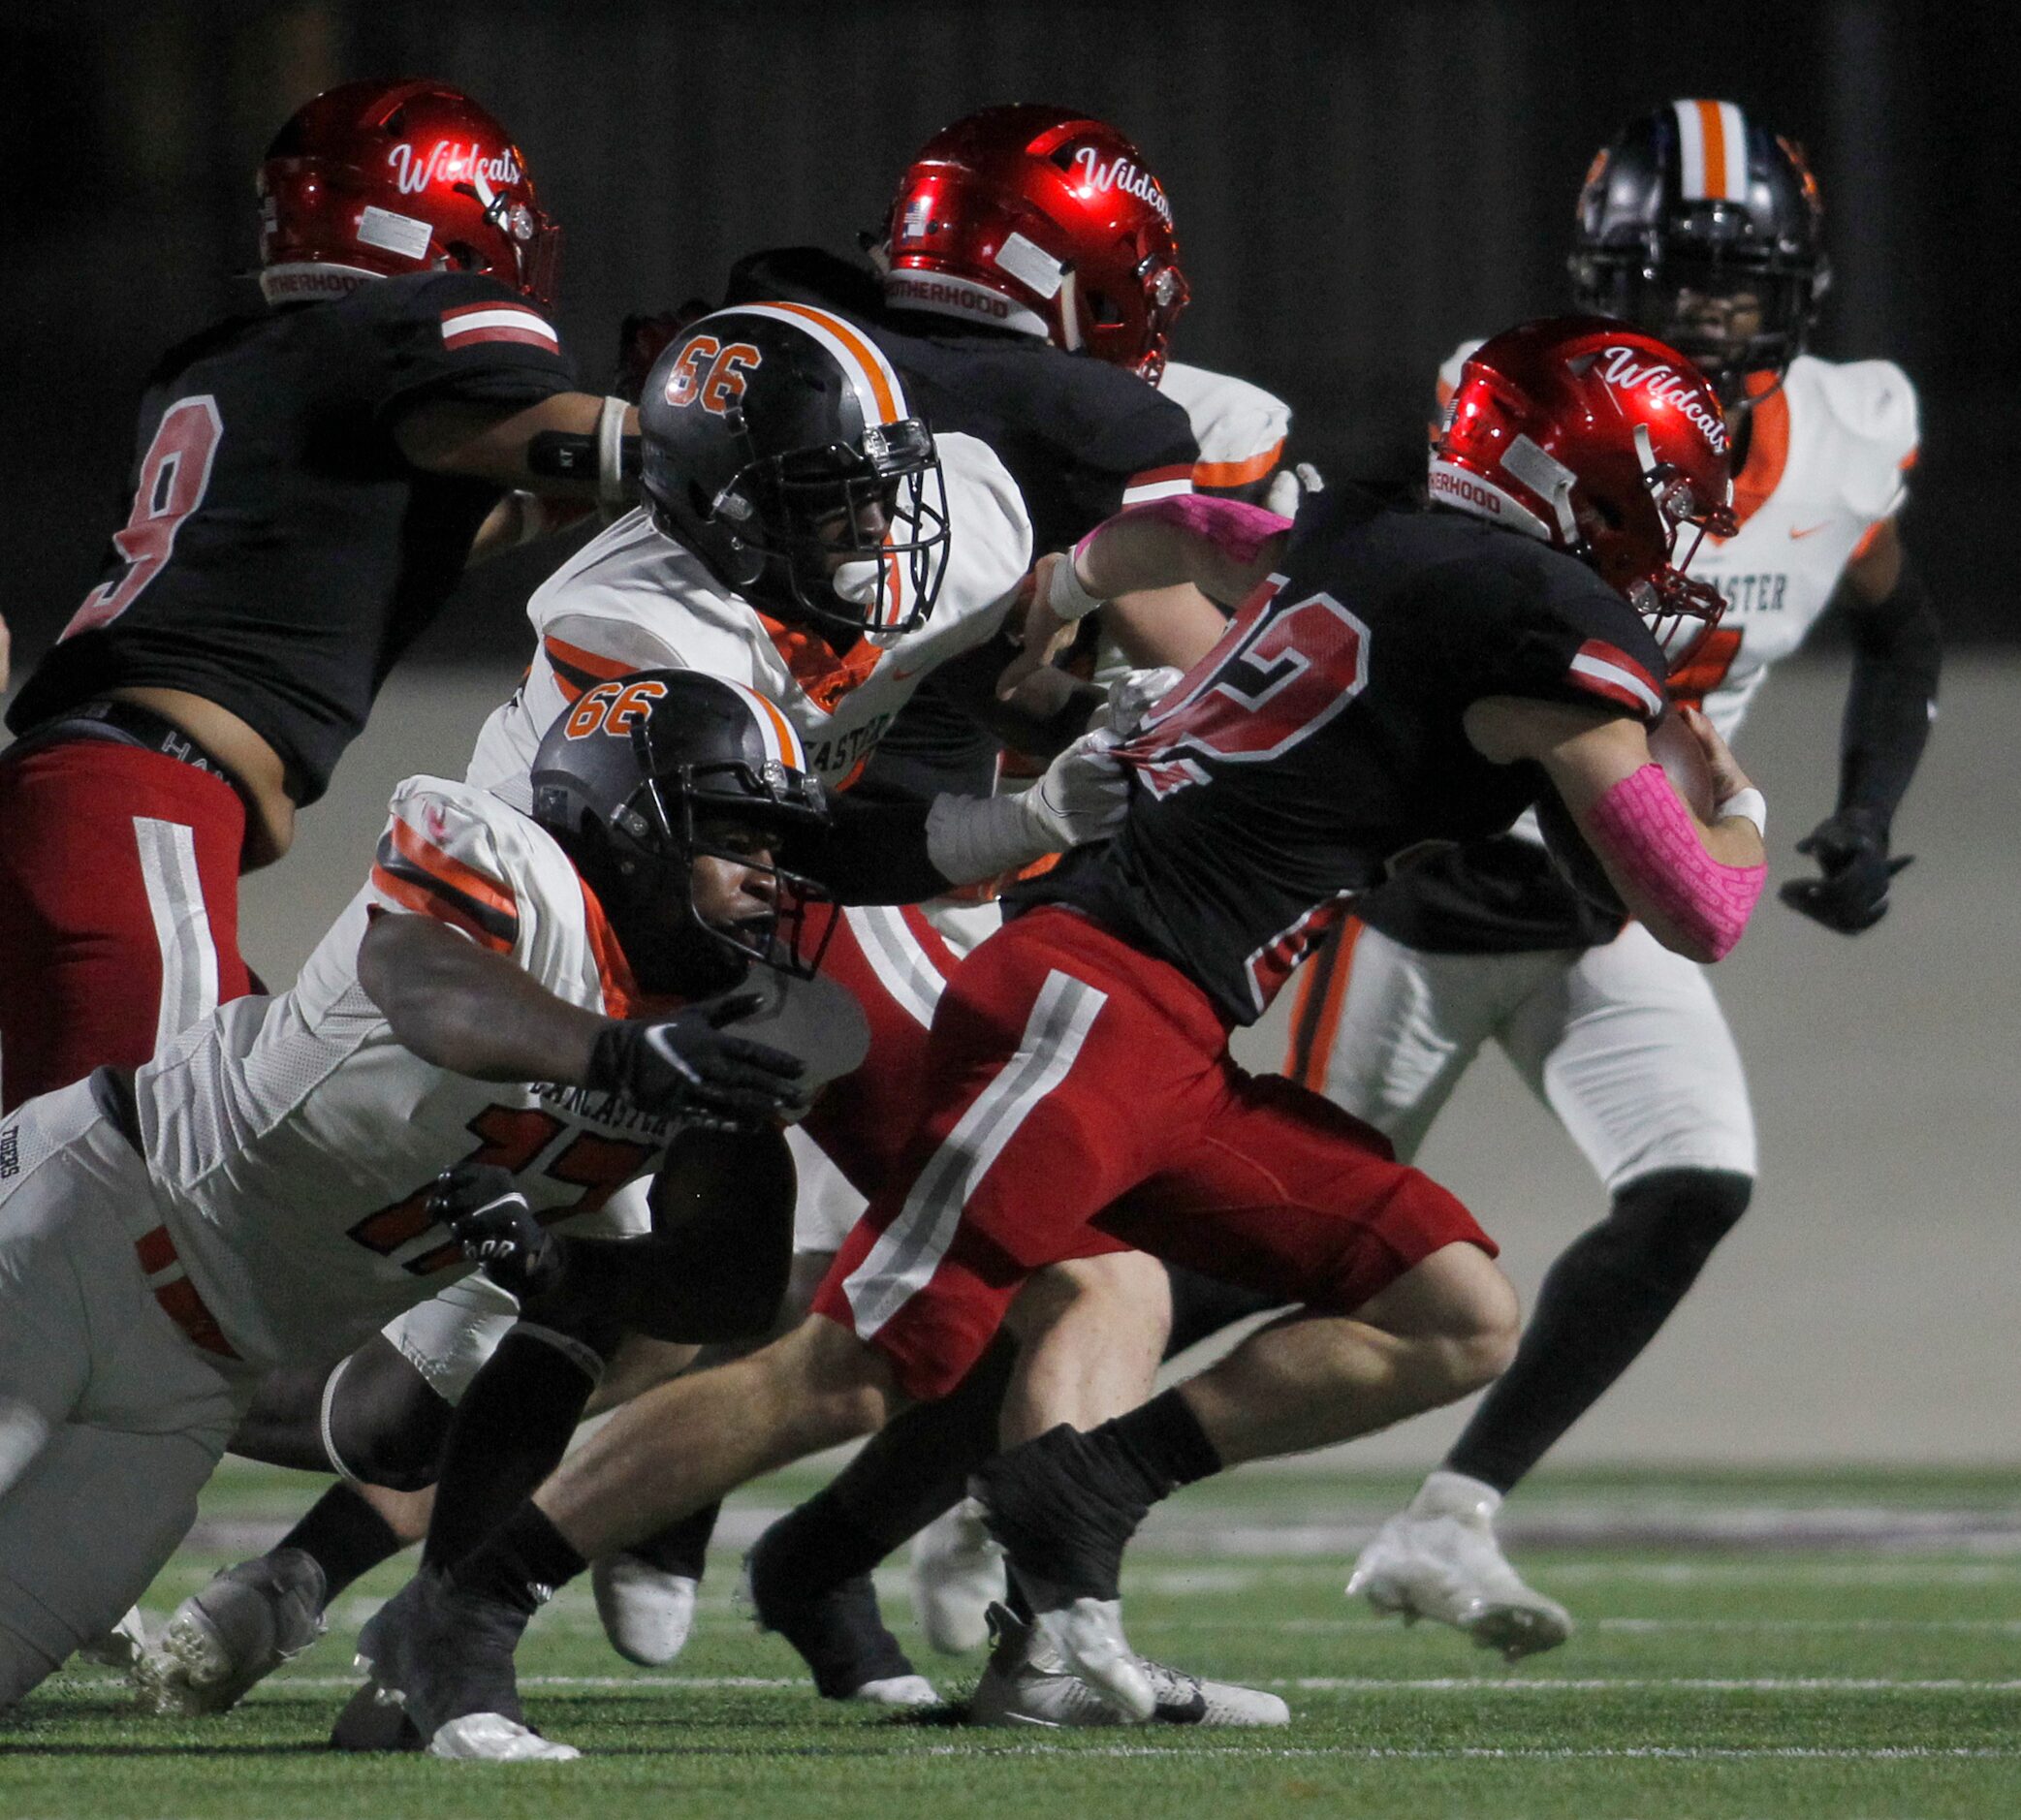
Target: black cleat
x: 840, y: 1635
x: 447, y: 1656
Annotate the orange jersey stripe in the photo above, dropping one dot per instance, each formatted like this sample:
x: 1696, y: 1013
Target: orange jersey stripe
x: 621, y: 988
x: 1315, y: 1027
x: 865, y: 355
x: 1237, y: 473
x: 426, y: 903
x: 412, y: 846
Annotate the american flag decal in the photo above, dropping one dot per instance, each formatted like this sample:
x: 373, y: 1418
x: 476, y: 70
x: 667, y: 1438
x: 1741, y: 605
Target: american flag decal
x: 1603, y: 670
x: 473, y: 323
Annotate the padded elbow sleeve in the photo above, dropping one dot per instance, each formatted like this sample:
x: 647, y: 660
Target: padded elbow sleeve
x: 1647, y: 838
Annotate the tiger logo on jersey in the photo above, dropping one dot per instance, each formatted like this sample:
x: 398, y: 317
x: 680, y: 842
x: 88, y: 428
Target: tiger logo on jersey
x: 710, y: 374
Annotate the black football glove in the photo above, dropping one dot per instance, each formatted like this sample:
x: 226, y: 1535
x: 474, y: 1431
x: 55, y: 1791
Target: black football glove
x: 489, y: 1218
x: 1851, y: 853
x: 686, y: 1067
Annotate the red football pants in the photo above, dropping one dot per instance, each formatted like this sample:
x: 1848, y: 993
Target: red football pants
x: 897, y: 964
x: 1079, y: 1099
x: 118, y: 908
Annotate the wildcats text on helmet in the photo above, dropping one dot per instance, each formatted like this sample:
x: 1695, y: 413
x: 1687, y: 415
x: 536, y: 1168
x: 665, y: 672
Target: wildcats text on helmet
x: 448, y: 162
x: 1667, y: 386
x: 1121, y: 173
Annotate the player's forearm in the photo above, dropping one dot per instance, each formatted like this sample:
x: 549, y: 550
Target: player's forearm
x: 470, y: 1011
x: 1693, y: 884
x: 568, y: 447
x: 1173, y: 625
x: 1898, y: 657
x: 1220, y: 547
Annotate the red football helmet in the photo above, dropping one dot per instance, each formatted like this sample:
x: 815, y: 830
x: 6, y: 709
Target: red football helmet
x: 373, y: 179
x: 1597, y: 439
x: 1040, y: 219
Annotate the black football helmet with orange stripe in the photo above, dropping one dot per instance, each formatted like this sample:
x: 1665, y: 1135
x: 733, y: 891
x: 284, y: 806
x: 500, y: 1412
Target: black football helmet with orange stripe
x: 777, y: 446
x: 1704, y: 229
x: 642, y: 775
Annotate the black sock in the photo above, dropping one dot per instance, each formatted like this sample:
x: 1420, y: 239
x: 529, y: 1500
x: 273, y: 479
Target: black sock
x: 1601, y: 1304
x: 902, y: 1477
x: 682, y: 1547
x: 520, y: 1563
x: 344, y: 1536
x: 814, y: 1548
x: 1161, y: 1443
x: 509, y: 1431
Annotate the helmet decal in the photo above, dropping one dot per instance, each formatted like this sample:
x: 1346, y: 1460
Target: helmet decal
x: 1711, y: 142
x: 709, y: 375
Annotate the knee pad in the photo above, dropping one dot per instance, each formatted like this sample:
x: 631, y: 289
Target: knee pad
x: 1666, y: 1224
x: 382, y: 1422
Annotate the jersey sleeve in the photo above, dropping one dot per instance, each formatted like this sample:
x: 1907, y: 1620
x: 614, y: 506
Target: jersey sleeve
x: 990, y: 531
x: 1875, y: 405
x: 1129, y: 443
x: 443, y: 859
x: 455, y: 335
x: 1556, y: 633
x: 584, y: 649
x: 1241, y: 427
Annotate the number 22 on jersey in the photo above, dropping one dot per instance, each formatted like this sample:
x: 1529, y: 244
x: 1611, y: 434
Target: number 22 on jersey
x: 175, y: 475
x: 1279, y: 674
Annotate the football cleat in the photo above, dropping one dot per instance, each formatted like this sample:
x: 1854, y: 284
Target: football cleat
x: 646, y: 1612
x: 374, y: 1720
x: 220, y: 1643
x: 840, y: 1635
x: 1027, y: 1683
x: 447, y: 1656
x: 957, y: 1575
x: 1438, y: 1558
x: 122, y: 1647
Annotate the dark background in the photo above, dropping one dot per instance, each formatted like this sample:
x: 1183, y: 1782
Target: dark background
x: 1355, y: 187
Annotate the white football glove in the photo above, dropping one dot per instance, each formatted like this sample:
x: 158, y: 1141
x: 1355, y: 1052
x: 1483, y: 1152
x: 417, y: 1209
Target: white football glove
x: 1131, y: 698
x: 1083, y: 796
x: 1289, y: 486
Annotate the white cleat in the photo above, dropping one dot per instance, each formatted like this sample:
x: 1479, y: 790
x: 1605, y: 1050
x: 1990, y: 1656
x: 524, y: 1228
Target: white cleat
x: 492, y: 1737
x: 1438, y: 1558
x: 957, y: 1575
x: 898, y: 1690
x: 121, y: 1647
x: 1086, y: 1637
x: 1027, y: 1683
x: 220, y: 1643
x: 646, y: 1612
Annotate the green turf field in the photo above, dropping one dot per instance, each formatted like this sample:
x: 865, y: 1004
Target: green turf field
x: 1844, y: 1646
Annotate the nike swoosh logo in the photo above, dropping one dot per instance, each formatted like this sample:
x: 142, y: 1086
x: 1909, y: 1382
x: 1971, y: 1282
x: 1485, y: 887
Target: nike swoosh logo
x: 1811, y: 531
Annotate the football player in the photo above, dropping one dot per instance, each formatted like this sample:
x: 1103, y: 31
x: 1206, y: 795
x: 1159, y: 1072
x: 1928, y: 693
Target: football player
x: 1701, y: 226
x: 805, y: 536
x: 539, y: 998
x: 1078, y: 1092
x: 309, y: 482
x: 1029, y: 282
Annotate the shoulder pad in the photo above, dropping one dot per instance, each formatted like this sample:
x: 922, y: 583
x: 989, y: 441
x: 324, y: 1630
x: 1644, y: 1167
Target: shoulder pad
x: 980, y: 481
x: 1874, y: 407
x: 1240, y: 427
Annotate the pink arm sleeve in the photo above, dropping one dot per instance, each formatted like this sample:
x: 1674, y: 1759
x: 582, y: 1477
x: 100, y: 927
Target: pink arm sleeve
x: 1642, y: 830
x: 1236, y: 529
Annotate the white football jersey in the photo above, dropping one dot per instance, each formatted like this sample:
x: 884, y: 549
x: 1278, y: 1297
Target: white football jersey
x: 293, y: 1141
x: 1828, y: 455
x: 633, y: 599
x: 1240, y: 427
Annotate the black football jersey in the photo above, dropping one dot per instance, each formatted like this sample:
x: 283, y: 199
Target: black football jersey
x: 1321, y: 740
x: 280, y: 552
x: 1078, y: 435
